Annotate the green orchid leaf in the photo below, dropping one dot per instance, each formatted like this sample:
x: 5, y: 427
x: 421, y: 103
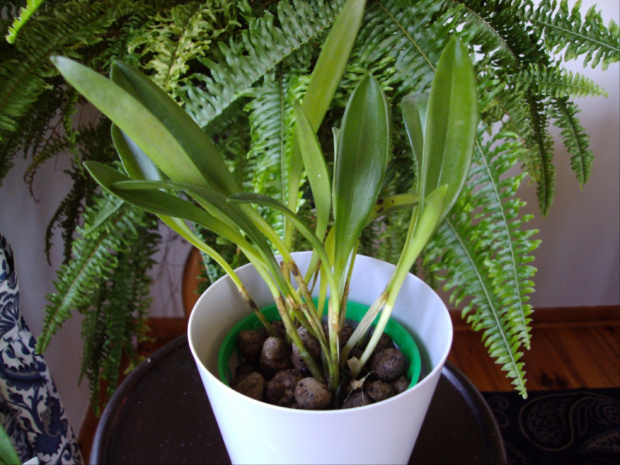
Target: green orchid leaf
x: 316, y: 170
x: 360, y: 166
x: 216, y: 204
x: 266, y: 201
x: 430, y: 217
x: 190, y: 136
x: 139, y: 166
x: 452, y: 118
x: 270, y: 202
x: 136, y: 163
x: 332, y: 61
x: 136, y: 121
x: 392, y: 203
x: 324, y: 81
x: 155, y: 200
x: 414, y: 116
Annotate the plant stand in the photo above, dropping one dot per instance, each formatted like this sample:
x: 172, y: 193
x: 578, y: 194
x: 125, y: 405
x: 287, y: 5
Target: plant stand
x: 175, y: 424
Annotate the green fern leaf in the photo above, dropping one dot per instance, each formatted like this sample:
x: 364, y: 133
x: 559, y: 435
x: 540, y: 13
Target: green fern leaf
x: 574, y: 138
x: 167, y: 44
x: 94, y: 351
x: 413, y: 36
x: 483, y: 252
x: 116, y: 315
x: 244, y: 61
x: 94, y: 261
x: 24, y: 78
x: 543, y: 168
x: 24, y: 15
x: 557, y: 83
x: 566, y: 31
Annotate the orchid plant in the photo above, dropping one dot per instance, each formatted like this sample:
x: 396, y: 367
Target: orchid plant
x: 171, y: 168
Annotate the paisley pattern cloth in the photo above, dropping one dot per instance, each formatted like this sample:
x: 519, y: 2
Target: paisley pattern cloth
x: 573, y: 426
x: 30, y: 409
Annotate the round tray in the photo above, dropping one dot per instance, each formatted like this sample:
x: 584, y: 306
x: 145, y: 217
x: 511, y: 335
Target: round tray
x: 161, y: 414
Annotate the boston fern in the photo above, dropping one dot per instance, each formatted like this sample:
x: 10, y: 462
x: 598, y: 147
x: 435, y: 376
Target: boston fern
x: 238, y: 66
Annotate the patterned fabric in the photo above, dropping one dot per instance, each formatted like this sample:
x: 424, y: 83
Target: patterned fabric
x: 30, y: 409
x: 573, y: 426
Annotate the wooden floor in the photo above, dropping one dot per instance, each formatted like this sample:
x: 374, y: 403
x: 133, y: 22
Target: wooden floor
x: 571, y: 348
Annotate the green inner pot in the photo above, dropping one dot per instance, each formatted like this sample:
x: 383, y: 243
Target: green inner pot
x: 355, y: 312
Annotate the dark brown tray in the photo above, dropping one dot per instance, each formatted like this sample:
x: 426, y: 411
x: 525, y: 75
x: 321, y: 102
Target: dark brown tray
x: 161, y: 414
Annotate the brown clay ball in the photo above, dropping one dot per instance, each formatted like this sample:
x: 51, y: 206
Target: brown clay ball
x: 356, y: 399
x: 243, y: 370
x: 379, y: 390
x: 275, y: 355
x: 251, y: 385
x: 400, y: 385
x: 250, y: 344
x: 281, y: 388
x: 389, y: 364
x: 310, y: 394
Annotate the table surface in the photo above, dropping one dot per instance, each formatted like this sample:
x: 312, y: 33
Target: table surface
x: 161, y: 414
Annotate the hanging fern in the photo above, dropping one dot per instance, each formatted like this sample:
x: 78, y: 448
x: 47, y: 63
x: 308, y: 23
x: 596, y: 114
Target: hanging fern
x: 485, y: 260
x: 413, y: 36
x: 574, y: 137
x: 94, y: 140
x: 24, y: 77
x: 110, y: 325
x: 92, y: 262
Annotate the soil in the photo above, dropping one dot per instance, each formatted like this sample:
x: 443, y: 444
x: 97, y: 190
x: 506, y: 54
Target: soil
x: 272, y: 371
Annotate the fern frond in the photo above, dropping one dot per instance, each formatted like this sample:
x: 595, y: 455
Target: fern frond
x: 67, y: 215
x: 19, y: 91
x: 168, y: 43
x: 556, y: 82
x: 25, y: 77
x: 246, y: 59
x: 94, y: 260
x: 470, y: 275
x: 566, y: 31
x: 131, y: 19
x: 413, y: 36
x: 127, y: 305
x: 543, y: 168
x: 271, y: 121
x: 24, y: 15
x: 94, y: 140
x: 115, y: 317
x: 270, y: 125
x: 574, y: 137
x: 492, y: 27
x: 482, y: 252
x: 93, y: 336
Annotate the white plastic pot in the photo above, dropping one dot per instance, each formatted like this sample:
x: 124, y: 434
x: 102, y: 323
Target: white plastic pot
x: 257, y: 432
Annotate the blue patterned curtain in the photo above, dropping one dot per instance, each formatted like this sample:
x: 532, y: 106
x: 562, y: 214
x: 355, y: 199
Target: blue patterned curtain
x: 30, y: 409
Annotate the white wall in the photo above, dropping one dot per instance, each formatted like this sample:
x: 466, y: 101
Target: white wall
x: 578, y: 261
